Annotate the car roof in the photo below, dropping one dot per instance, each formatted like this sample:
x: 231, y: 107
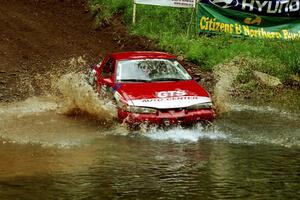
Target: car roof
x: 132, y: 55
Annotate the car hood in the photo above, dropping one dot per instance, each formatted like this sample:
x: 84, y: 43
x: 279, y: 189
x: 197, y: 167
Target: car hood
x: 163, y: 95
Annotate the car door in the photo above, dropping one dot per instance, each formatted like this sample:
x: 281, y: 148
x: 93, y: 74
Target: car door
x: 106, y: 75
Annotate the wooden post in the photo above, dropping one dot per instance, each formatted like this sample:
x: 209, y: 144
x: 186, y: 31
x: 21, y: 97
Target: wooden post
x: 134, y: 13
x: 191, y: 21
x: 196, y: 7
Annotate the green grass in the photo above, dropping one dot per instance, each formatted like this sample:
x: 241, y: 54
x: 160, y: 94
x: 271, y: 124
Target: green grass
x: 168, y: 26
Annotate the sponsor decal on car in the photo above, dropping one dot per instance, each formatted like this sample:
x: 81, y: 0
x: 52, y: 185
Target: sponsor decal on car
x: 176, y: 93
x: 173, y: 99
x: 171, y: 102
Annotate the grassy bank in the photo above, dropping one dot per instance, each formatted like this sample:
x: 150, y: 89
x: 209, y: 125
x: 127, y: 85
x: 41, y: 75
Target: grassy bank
x: 168, y: 26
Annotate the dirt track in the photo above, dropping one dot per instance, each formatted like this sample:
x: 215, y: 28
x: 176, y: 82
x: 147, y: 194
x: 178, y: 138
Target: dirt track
x: 36, y: 34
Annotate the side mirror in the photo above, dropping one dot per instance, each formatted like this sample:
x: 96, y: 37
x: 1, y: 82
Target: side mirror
x: 198, y: 79
x: 108, y: 81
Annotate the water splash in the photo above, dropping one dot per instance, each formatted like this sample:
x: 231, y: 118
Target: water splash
x: 179, y: 134
x: 65, y: 82
x: 225, y: 74
x: 80, y: 97
x: 230, y: 131
x: 264, y: 109
x: 45, y: 83
x: 41, y: 119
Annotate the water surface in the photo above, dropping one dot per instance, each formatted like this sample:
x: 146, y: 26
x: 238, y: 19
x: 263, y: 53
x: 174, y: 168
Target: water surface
x: 246, y: 154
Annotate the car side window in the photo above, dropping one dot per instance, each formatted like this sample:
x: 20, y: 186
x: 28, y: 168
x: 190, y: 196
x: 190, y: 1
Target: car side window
x: 108, y: 69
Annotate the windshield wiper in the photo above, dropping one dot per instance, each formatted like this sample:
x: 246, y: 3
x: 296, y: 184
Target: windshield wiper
x: 136, y: 80
x: 167, y: 79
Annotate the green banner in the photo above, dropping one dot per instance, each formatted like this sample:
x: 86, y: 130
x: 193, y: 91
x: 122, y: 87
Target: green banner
x: 214, y: 19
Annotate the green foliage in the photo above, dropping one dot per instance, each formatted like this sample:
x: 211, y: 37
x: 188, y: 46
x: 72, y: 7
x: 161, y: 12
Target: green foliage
x: 169, y: 26
x: 103, y: 10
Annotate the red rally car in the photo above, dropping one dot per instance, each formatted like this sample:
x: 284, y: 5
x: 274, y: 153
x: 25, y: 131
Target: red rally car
x: 151, y: 87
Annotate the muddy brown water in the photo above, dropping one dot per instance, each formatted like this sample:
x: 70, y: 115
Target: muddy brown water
x: 250, y: 152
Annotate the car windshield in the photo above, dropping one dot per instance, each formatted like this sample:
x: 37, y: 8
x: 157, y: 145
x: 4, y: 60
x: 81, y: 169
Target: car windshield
x: 148, y: 70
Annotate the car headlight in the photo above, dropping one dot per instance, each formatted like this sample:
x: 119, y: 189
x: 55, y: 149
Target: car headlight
x: 141, y: 110
x: 198, y: 106
x: 135, y: 109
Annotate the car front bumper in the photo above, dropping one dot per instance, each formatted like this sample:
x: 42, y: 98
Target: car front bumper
x: 167, y: 117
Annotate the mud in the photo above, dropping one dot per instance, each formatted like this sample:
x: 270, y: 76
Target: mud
x: 36, y: 36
